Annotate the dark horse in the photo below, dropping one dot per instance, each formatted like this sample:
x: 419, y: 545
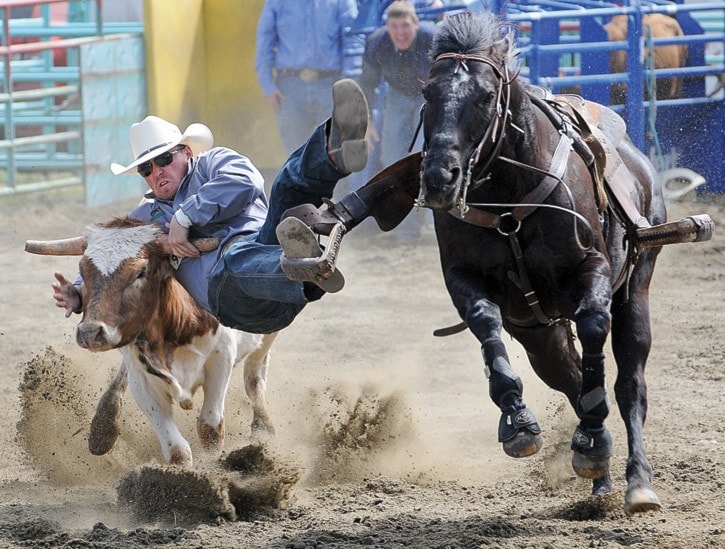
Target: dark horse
x: 545, y: 214
x: 531, y: 247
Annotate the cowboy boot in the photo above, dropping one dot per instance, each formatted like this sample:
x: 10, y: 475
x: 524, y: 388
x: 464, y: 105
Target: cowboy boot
x: 304, y: 260
x: 346, y: 145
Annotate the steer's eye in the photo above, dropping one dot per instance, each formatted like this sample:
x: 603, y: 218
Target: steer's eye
x: 141, y: 274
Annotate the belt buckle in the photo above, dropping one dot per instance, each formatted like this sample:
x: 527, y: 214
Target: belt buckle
x: 308, y: 75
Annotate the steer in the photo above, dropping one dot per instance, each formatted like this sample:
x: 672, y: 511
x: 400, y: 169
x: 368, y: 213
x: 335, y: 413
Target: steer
x: 170, y: 345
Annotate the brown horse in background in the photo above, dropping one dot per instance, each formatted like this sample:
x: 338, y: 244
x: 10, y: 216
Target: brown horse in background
x: 665, y: 57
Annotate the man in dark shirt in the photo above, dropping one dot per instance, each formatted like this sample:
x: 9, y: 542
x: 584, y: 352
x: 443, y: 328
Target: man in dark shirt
x: 398, y: 54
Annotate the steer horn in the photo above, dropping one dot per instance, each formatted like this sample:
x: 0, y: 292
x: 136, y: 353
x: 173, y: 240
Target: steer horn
x: 67, y: 246
x: 77, y: 245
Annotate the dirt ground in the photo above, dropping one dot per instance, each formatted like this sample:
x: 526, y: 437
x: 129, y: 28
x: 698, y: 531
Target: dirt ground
x: 388, y: 431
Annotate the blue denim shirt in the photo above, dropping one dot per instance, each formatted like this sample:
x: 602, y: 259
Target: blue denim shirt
x: 223, y: 195
x: 303, y: 34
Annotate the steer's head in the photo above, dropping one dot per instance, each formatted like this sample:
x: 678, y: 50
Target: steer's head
x: 128, y: 283
x: 124, y: 273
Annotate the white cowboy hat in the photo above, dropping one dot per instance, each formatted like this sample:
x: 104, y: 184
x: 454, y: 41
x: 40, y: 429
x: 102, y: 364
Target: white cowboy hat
x: 154, y: 136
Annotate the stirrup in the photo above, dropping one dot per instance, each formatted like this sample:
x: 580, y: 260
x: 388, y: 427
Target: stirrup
x: 322, y: 222
x: 320, y: 269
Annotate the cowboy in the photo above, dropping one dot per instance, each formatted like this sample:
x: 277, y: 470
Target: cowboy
x: 196, y: 190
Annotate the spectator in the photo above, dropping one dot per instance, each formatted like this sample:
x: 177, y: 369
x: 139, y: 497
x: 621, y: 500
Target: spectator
x: 300, y: 54
x: 200, y: 191
x: 398, y: 55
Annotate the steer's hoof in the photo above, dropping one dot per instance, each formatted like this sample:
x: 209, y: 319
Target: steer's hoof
x: 641, y: 500
x: 104, y: 425
x: 211, y: 437
x: 523, y: 444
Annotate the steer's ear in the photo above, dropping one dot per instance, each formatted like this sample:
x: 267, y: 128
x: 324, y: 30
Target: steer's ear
x: 67, y: 246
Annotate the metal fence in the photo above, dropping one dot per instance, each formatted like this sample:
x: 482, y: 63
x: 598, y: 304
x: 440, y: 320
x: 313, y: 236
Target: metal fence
x: 41, y: 115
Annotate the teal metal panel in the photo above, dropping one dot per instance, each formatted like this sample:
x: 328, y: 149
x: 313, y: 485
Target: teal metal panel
x: 113, y: 89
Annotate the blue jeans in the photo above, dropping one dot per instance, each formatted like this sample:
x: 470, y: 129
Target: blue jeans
x: 401, y: 114
x: 305, y: 105
x: 247, y: 288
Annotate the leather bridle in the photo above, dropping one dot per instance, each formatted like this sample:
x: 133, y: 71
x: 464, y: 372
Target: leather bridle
x: 495, y: 131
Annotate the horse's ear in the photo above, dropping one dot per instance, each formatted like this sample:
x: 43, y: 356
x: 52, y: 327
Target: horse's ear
x: 505, y: 48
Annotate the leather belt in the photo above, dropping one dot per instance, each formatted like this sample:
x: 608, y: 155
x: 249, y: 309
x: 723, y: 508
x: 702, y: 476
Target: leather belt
x: 308, y: 75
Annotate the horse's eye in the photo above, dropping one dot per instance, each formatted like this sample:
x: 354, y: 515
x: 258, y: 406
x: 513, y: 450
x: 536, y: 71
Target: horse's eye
x: 141, y: 274
x: 487, y: 98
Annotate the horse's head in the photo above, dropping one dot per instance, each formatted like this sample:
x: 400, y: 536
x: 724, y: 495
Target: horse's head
x: 466, y: 105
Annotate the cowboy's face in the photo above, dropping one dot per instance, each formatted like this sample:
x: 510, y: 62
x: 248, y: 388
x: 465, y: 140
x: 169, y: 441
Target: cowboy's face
x: 165, y: 181
x: 402, y: 31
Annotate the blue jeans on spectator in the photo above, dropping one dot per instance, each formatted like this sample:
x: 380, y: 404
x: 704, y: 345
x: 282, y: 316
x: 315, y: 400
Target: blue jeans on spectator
x: 401, y: 115
x: 247, y: 288
x: 305, y: 105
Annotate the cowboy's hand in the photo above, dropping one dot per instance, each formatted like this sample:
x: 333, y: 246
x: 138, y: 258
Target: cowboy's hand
x: 66, y: 295
x: 179, y: 240
x: 274, y: 100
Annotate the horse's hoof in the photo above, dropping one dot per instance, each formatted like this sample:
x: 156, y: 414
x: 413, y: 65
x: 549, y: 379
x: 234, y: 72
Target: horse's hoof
x: 592, y: 448
x: 524, y: 444
x: 602, y: 486
x: 641, y: 500
x: 590, y: 468
x: 519, y: 432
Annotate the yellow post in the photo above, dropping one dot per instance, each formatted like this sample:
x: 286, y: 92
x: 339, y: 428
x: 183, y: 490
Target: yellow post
x: 200, y: 68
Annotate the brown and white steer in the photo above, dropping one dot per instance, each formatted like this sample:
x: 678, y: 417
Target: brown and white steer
x: 170, y: 345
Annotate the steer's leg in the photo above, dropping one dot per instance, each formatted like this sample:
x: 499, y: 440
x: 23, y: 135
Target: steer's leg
x: 105, y: 423
x: 255, y: 385
x: 217, y: 373
x: 518, y: 430
x: 631, y: 340
x: 152, y: 397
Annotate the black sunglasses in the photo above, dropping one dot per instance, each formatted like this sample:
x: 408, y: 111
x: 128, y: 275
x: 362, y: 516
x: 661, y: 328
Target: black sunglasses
x: 162, y: 160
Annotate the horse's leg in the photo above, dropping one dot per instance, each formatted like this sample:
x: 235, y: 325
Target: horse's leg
x: 591, y: 442
x: 555, y: 359
x: 518, y: 430
x: 631, y: 340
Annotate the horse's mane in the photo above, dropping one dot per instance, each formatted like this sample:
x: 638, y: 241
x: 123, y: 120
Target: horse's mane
x: 468, y: 32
